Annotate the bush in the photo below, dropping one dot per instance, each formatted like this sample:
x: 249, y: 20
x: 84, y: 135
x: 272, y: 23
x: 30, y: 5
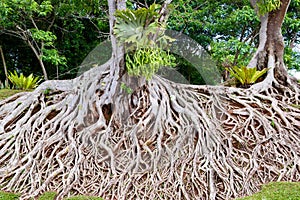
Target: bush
x: 22, y: 82
x: 246, y: 76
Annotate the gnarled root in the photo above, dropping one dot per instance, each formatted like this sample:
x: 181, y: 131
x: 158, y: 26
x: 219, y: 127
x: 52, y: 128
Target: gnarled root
x: 179, y: 141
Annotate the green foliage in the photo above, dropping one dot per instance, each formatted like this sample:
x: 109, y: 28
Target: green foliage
x: 127, y: 89
x: 265, y: 6
x: 45, y: 8
x: 22, y: 82
x: 136, y: 26
x: 28, y: 7
x: 231, y: 52
x: 52, y: 56
x: 226, y: 29
x: 43, y: 36
x: 291, y: 58
x: 147, y: 61
x: 246, y: 76
x: 290, y: 30
x: 62, y: 32
x: 230, y: 28
x: 144, y: 40
x: 277, y: 191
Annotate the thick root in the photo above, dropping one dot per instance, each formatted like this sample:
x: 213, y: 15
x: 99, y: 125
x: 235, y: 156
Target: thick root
x: 178, y: 141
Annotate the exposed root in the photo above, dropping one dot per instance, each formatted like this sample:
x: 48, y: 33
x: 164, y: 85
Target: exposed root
x: 179, y: 142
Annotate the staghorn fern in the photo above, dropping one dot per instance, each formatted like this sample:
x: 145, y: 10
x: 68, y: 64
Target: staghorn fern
x: 144, y: 39
x: 136, y: 27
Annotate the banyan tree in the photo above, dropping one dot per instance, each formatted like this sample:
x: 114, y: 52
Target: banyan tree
x: 119, y: 131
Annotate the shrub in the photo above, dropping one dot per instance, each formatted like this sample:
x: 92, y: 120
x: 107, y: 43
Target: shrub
x: 246, y: 76
x: 22, y: 82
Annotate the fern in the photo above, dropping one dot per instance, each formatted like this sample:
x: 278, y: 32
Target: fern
x: 135, y: 26
x: 146, y: 62
x: 144, y: 52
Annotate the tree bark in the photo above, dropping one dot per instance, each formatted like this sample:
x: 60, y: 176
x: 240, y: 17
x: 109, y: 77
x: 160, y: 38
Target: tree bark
x: 21, y: 33
x: 119, y: 98
x: 271, y: 45
x: 4, y: 65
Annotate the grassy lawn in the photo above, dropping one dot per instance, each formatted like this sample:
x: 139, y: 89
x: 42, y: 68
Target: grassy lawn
x: 8, y: 196
x: 45, y: 196
x: 271, y: 191
x: 4, y: 93
x: 277, y: 191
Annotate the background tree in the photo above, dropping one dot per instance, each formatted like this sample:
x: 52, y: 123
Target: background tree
x: 213, y: 25
x: 4, y: 65
x: 58, y: 33
x: 19, y: 21
x: 271, y: 45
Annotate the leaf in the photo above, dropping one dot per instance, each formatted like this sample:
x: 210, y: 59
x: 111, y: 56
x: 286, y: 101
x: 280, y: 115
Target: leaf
x: 257, y: 75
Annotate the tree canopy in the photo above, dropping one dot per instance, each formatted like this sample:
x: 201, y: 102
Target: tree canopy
x: 58, y: 33
x: 79, y: 26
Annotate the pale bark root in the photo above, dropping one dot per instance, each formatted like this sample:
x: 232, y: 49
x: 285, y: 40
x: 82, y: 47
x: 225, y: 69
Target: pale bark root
x: 178, y: 142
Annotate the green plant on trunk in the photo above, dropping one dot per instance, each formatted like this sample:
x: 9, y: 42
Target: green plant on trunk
x: 126, y: 88
x: 22, y: 82
x: 265, y: 6
x: 246, y: 76
x: 144, y: 39
x: 147, y: 61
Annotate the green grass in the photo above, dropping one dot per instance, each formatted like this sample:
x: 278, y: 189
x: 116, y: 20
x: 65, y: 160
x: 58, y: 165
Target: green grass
x: 45, y: 196
x: 4, y: 93
x: 8, y: 196
x: 271, y: 191
x: 277, y: 191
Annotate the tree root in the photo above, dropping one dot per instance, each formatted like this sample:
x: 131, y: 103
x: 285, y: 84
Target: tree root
x: 179, y: 141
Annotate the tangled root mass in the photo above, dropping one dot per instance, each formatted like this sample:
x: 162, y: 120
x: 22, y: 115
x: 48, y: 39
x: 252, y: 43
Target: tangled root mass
x: 175, y: 142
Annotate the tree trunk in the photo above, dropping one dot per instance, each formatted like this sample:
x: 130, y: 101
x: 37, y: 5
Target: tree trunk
x: 115, y: 96
x: 271, y: 46
x: 39, y: 57
x: 4, y: 65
